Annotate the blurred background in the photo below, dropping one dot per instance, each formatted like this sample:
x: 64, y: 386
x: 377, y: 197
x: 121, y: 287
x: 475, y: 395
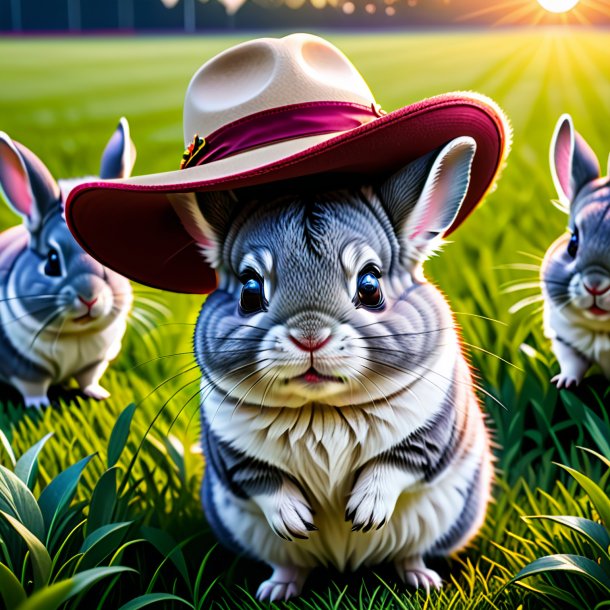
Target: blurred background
x: 191, y: 16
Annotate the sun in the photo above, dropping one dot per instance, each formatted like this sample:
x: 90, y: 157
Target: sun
x: 543, y: 12
x: 558, y: 6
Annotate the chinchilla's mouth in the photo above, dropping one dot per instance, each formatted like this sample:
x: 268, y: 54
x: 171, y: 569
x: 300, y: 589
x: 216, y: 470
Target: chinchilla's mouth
x: 312, y: 376
x: 83, y: 319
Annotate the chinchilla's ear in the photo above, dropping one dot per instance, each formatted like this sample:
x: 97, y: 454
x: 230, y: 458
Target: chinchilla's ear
x: 26, y: 182
x: 424, y: 197
x: 119, y: 155
x: 573, y: 163
x: 206, y: 218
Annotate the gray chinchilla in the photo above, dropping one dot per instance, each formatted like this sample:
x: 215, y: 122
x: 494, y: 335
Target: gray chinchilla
x: 575, y: 271
x: 62, y: 314
x: 340, y: 421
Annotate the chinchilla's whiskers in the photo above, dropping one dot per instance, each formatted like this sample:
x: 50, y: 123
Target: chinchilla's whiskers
x: 355, y: 378
x: 156, y: 306
x: 144, y: 319
x: 46, y: 323
x: 391, y: 380
x: 567, y: 301
x: 520, y: 286
x: 529, y: 283
x: 138, y: 326
x: 476, y: 315
x: 427, y: 369
x: 267, y: 388
x: 229, y: 338
x: 29, y: 313
x: 242, y: 400
x: 526, y: 302
x: 498, y: 357
x: 409, y: 334
x: 162, y: 357
x: 168, y: 380
x: 419, y: 376
x: 519, y: 267
x: 259, y: 328
x: 536, y: 257
x: 229, y: 392
x: 182, y: 408
x: 29, y: 297
x: 153, y: 314
x: 213, y: 383
x: 399, y: 369
x: 58, y: 334
x: 383, y: 394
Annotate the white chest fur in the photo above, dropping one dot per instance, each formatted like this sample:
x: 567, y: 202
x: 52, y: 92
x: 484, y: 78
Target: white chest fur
x: 321, y: 445
x: 61, y: 354
x: 592, y: 343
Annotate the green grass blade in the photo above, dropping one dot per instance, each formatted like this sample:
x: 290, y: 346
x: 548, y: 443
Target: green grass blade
x: 169, y: 548
x: 18, y: 501
x: 153, y: 598
x: 596, y: 494
x: 41, y: 561
x: 551, y: 591
x: 101, y: 543
x: 119, y: 435
x: 58, y: 494
x: 103, y: 501
x: 26, y: 467
x: 565, y: 563
x: 7, y: 447
x: 54, y: 596
x: 594, y: 532
x: 11, y: 591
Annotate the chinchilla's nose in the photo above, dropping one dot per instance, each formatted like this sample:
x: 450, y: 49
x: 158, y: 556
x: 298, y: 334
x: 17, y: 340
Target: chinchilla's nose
x: 310, y: 341
x: 89, y: 303
x: 596, y: 282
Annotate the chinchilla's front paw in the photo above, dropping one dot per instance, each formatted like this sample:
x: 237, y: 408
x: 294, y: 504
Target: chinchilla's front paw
x: 566, y: 380
x: 288, y: 512
x: 371, y: 503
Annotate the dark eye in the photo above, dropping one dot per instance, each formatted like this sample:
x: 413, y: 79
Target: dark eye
x: 369, y: 289
x: 52, y: 266
x: 252, y: 298
x: 573, y: 244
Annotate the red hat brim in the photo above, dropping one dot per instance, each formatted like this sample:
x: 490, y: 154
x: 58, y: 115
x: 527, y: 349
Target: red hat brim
x: 133, y: 229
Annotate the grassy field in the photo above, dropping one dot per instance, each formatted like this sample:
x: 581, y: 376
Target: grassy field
x: 62, y: 98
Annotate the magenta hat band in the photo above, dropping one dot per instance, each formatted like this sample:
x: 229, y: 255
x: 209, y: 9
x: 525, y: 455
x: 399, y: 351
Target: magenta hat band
x: 276, y: 125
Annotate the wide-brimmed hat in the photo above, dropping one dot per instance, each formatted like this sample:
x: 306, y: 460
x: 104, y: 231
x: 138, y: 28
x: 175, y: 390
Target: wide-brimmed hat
x: 265, y: 111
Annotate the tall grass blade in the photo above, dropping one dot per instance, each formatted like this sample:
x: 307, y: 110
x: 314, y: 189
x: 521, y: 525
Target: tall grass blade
x: 26, y: 467
x: 41, y: 561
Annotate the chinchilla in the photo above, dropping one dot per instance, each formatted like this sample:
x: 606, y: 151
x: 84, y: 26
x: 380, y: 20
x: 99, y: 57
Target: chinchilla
x: 340, y: 421
x: 62, y: 314
x: 575, y: 271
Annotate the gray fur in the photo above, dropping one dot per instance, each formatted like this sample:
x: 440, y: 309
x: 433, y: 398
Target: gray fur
x: 244, y: 476
x: 398, y: 405
x: 429, y: 449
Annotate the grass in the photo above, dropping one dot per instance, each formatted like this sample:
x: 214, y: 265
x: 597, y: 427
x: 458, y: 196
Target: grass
x: 62, y: 98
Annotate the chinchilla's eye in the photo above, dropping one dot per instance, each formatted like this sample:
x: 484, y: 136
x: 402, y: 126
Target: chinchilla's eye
x: 252, y: 298
x: 573, y: 244
x: 369, y: 288
x: 52, y: 266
